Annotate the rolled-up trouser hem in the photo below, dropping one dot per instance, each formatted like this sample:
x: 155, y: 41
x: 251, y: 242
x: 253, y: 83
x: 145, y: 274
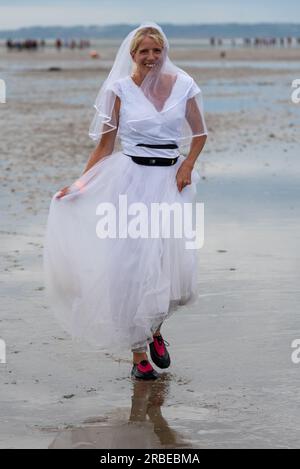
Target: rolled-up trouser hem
x: 143, y: 348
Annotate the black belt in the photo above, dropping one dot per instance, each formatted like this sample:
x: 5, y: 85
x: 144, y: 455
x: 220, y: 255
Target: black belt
x: 150, y: 161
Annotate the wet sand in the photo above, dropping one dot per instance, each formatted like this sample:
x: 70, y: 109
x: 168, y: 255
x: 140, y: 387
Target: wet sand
x: 232, y: 382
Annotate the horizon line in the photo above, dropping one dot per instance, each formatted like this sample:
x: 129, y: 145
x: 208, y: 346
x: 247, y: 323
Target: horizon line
x: 159, y: 23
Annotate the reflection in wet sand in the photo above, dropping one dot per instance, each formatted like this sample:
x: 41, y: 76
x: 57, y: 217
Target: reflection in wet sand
x: 145, y: 428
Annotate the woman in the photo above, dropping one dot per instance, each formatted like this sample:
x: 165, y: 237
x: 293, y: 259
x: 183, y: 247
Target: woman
x: 116, y: 291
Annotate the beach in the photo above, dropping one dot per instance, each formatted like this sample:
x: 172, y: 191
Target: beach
x: 232, y: 382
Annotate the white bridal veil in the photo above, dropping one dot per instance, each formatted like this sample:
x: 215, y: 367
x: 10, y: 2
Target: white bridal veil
x: 166, y: 86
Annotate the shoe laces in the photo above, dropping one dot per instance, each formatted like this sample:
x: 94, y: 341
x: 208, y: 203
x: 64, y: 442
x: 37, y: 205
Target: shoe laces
x: 161, y: 340
x: 145, y: 364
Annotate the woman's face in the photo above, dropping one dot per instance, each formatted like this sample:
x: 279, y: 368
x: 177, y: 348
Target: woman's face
x: 148, y: 54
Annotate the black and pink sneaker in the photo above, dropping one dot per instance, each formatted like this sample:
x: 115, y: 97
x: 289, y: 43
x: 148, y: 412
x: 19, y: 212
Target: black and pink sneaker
x: 159, y: 353
x: 144, y: 370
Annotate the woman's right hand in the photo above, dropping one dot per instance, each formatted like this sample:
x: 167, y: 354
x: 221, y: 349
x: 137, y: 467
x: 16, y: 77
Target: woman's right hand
x: 63, y: 192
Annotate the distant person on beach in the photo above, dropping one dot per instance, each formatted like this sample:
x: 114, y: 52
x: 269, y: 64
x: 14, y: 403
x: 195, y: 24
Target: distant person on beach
x: 116, y: 291
x: 58, y: 43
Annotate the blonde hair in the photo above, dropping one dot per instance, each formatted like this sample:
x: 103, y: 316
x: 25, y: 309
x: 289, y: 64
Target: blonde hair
x: 146, y: 32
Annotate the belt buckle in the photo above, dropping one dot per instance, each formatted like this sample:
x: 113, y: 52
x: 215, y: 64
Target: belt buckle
x: 152, y: 161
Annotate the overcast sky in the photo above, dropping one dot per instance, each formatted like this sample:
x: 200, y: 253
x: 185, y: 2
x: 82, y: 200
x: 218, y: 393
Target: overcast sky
x: 18, y: 13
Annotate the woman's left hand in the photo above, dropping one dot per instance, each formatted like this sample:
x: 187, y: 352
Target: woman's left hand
x: 184, y: 175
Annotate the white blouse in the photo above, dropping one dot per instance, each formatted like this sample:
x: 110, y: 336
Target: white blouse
x: 141, y: 122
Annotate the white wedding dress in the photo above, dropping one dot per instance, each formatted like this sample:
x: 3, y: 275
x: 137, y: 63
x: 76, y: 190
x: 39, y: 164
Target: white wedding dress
x: 114, y: 292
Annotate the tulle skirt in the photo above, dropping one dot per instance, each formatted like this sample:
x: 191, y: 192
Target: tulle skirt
x: 114, y: 291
